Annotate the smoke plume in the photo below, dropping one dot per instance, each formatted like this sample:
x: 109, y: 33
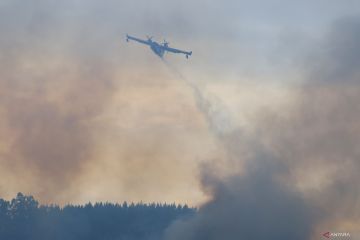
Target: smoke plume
x: 48, y: 99
x: 299, y: 168
x: 85, y: 116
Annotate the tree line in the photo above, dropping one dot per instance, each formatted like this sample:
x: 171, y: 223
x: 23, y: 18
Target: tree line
x: 23, y: 218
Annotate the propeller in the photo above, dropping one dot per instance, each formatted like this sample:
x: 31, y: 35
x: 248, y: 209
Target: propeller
x: 149, y: 37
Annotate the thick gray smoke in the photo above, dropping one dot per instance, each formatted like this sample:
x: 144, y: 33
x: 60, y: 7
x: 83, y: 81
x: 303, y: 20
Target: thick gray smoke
x: 320, y: 135
x: 255, y: 206
x: 300, y: 176
x: 251, y: 206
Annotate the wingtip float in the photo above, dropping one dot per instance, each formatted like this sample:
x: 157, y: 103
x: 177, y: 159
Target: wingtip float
x: 158, y: 48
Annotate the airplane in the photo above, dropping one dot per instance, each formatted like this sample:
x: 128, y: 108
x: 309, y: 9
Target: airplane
x: 157, y: 48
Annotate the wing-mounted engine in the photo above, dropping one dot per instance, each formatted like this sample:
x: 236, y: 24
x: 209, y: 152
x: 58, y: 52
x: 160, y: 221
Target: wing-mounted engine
x: 166, y: 43
x: 149, y: 38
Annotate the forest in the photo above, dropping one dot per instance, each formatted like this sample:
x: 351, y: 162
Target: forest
x: 23, y: 218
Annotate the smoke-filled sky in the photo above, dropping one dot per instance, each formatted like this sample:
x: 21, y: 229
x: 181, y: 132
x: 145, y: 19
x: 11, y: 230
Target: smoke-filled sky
x: 266, y: 110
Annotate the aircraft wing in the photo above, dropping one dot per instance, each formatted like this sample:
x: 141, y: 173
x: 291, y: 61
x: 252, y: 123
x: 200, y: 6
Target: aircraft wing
x: 137, y: 40
x: 174, y: 50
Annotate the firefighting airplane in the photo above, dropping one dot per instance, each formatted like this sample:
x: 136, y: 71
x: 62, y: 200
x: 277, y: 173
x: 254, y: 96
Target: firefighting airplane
x: 157, y: 48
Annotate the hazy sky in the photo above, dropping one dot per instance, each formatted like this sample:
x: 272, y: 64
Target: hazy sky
x: 85, y: 116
